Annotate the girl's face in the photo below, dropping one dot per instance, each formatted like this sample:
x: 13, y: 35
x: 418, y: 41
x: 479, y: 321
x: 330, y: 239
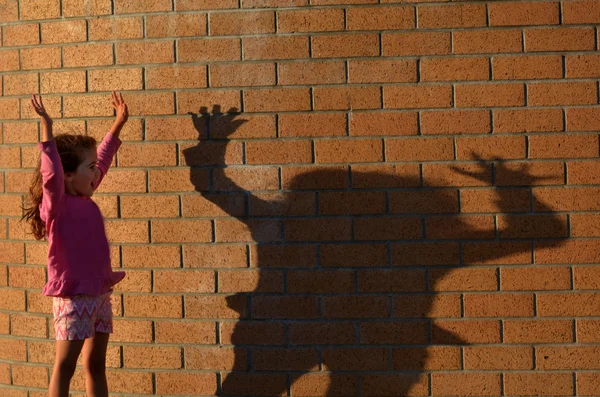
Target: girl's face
x: 82, y: 182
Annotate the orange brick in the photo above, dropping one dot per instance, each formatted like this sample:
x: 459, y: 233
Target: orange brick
x: 19, y: 35
x: 181, y: 180
x: 583, y: 119
x: 152, y: 357
x: 284, y: 359
x: 131, y: 155
x: 171, y: 129
x: 487, y: 41
x: 131, y: 132
x: 345, y: 45
x: 28, y: 375
x: 564, y: 146
x: 452, y: 69
x: 256, y: 230
x: 151, y: 256
x: 343, y: 151
x: 580, y: 12
x: 488, y: 95
x: 466, y: 384
x: 498, y: 305
x: 176, y: 77
x: 197, y: 281
x: 127, y: 231
x: 394, y: 71
x: 31, y: 326
x: 452, y: 16
x: 464, y: 279
x: 422, y: 96
x: 10, y: 11
x: 13, y: 349
x: 438, y: 358
x: 239, y: 23
x: 64, y: 32
x: 130, y: 7
x: 191, y: 5
x: 567, y: 357
x: 587, y: 330
x: 115, y: 79
x: 419, y: 149
x: 176, y: 25
x: 27, y: 277
x: 181, y: 231
x: 250, y: 281
x: 53, y: 107
x: 215, y: 256
x: 564, y: 254
x: 150, y: 103
x: 136, y: 52
x: 540, y: 384
x: 9, y: 108
x: 527, y: 67
x: 505, y: 147
x: 380, y: 18
x: 282, y: 152
x: 183, y: 383
x: 586, y: 277
x: 210, y: 307
x: 340, y: 203
x: 383, y: 123
x: 153, y: 306
x: 315, y: 177
x: 578, y: 66
x: 417, y: 43
x: 455, y: 122
x: 40, y: 58
x: 295, y: 307
x: 524, y: 13
x: 59, y: 82
x: 528, y: 120
x: 538, y: 331
x: 186, y: 332
x: 318, y: 20
x: 566, y: 93
x: 349, y: 255
x: 231, y: 75
x: 320, y: 72
x: 149, y: 207
x: 559, y: 39
x: 275, y: 47
x: 210, y: 358
x: 487, y: 200
x: 116, y: 28
x: 35, y: 9
x: 88, y: 55
x: 88, y: 105
x: 347, y: 98
x: 314, y: 384
x: 588, y: 383
x: 498, y: 358
x: 557, y: 304
x: 202, y: 50
x: 9, y: 60
x: 304, y: 125
x: 194, y: 101
x: 277, y: 100
x: 21, y: 84
x: 547, y: 278
x: 213, y: 153
x: 123, y: 381
x: 78, y: 8
x: 583, y: 226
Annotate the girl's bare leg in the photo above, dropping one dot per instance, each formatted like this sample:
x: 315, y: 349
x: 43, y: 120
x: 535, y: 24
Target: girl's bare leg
x: 94, y: 364
x: 67, y: 353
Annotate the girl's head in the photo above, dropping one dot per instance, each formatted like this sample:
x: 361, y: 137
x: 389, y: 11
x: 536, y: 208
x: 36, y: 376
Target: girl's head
x: 79, y: 159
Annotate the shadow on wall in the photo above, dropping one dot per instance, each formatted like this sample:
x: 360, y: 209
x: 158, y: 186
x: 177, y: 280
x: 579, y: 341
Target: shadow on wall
x: 359, y: 274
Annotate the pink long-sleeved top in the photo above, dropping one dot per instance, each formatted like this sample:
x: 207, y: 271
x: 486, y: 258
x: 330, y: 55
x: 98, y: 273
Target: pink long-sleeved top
x: 78, y: 252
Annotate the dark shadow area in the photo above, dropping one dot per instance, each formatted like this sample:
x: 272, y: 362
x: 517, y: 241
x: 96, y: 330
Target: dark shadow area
x: 361, y: 274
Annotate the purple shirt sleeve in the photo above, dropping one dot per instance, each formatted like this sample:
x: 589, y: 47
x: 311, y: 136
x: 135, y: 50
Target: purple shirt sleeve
x: 53, y: 179
x: 106, y: 151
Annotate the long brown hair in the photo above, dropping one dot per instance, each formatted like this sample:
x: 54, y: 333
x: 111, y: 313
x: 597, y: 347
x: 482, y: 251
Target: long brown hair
x: 70, y: 148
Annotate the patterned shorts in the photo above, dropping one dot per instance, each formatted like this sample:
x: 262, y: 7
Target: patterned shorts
x: 81, y: 316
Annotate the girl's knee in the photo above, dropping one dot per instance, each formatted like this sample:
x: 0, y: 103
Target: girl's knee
x: 65, y: 367
x: 94, y: 366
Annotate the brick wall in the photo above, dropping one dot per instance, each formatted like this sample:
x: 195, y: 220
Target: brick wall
x: 407, y: 202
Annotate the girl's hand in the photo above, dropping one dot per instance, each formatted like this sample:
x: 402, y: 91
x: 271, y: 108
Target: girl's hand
x: 39, y: 108
x: 121, y: 107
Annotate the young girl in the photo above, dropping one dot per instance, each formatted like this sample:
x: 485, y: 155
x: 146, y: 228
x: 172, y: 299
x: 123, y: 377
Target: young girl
x: 80, y: 277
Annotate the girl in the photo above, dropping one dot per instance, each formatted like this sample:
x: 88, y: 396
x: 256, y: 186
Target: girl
x: 80, y: 277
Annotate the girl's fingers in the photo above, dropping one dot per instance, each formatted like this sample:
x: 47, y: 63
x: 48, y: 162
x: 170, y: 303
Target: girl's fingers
x: 121, y: 97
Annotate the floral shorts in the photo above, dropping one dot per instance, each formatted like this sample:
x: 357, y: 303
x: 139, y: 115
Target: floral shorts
x: 81, y: 316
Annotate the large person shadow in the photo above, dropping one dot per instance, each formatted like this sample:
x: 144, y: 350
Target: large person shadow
x: 351, y: 294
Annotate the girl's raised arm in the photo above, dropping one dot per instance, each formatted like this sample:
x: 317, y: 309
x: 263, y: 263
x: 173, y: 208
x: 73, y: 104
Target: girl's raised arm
x: 111, y: 142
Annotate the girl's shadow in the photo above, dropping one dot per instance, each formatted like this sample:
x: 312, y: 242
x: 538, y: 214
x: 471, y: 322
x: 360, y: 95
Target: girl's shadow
x: 351, y: 268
